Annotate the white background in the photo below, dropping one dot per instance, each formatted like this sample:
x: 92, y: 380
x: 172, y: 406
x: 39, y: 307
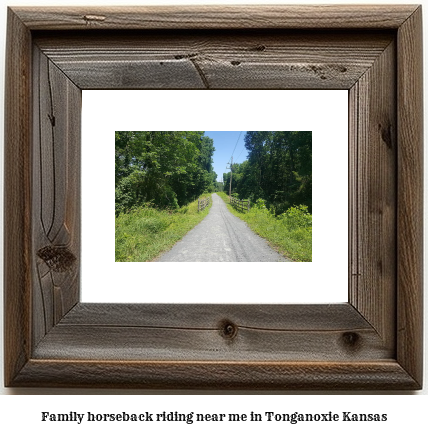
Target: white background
x: 16, y: 412
x: 324, y: 280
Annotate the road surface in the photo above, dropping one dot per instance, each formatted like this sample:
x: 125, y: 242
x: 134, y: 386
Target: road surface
x: 221, y: 237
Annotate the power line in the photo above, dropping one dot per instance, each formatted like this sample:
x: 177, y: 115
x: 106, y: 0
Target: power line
x: 240, y: 153
x: 235, y: 146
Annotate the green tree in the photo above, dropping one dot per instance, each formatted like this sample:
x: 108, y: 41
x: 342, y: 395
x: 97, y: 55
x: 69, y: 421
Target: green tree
x: 278, y: 169
x: 166, y: 168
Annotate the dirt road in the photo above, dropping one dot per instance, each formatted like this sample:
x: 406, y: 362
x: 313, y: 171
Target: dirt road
x: 221, y: 237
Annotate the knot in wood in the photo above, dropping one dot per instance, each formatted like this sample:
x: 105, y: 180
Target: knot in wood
x: 228, y: 330
x: 351, y: 340
x: 58, y: 259
x: 386, y: 134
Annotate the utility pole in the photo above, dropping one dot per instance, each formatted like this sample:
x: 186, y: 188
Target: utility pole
x: 230, y: 185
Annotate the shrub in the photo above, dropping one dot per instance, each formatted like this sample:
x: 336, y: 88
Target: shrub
x: 297, y: 217
x: 260, y: 204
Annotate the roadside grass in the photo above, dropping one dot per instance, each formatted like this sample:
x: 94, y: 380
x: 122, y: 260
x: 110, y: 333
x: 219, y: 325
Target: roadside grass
x: 288, y: 234
x: 146, y: 232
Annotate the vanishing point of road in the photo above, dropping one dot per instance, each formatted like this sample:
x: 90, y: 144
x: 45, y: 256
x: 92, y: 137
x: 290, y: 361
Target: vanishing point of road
x: 221, y: 237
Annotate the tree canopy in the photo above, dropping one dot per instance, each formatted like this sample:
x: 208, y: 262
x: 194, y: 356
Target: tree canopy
x: 278, y: 169
x: 166, y: 168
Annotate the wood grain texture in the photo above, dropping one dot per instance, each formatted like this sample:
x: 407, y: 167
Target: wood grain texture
x: 373, y: 178
x: 341, y: 317
x: 377, y: 375
x: 217, y: 17
x: 200, y: 332
x: 17, y: 199
x: 410, y: 196
x: 56, y: 194
x: 216, y: 59
x: 372, y: 342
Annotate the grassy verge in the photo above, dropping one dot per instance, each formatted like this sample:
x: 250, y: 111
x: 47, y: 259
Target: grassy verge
x: 285, y: 233
x: 145, y: 233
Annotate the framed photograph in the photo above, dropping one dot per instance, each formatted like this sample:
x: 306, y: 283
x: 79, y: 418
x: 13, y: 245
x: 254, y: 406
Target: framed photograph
x: 372, y: 341
x: 221, y: 243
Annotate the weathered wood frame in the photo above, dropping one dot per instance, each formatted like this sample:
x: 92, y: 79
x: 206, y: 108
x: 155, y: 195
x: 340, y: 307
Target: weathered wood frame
x: 372, y: 342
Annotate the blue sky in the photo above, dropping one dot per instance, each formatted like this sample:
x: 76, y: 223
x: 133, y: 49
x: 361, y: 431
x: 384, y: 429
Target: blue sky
x: 224, y: 144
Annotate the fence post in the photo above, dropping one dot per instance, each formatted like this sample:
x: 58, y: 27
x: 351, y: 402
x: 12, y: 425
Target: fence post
x: 198, y: 205
x: 248, y: 205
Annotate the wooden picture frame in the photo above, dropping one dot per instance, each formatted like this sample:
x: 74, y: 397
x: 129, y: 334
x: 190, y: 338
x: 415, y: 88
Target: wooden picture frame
x: 372, y: 342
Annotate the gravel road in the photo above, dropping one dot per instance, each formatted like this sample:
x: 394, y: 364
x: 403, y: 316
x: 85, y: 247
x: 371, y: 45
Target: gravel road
x: 221, y: 237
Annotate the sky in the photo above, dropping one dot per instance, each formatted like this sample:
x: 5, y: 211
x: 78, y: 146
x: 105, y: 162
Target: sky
x: 226, y: 144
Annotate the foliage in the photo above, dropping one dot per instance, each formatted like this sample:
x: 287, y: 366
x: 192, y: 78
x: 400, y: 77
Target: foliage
x: 297, y: 217
x: 165, y: 168
x: 219, y: 186
x: 145, y: 232
x: 260, y: 204
x: 278, y: 169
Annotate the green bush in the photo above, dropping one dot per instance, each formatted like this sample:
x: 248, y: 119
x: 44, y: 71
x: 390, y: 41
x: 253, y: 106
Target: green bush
x: 260, y: 204
x: 297, y: 217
